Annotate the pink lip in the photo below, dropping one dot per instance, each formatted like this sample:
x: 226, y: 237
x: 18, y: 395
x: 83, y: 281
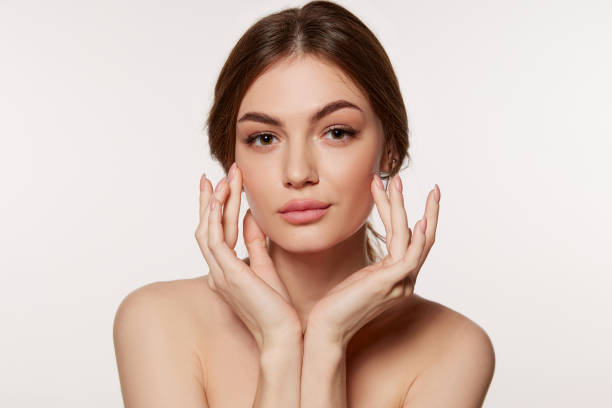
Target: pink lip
x: 304, y: 216
x: 303, y: 211
x: 301, y: 205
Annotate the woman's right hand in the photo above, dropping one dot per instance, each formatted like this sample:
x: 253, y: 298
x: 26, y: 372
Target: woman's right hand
x: 255, y: 292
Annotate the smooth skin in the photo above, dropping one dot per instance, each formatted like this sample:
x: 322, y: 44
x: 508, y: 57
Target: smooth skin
x: 309, y: 323
x: 255, y: 292
x: 260, y: 299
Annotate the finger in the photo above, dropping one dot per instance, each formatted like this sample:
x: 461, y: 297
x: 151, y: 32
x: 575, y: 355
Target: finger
x: 416, y: 249
x: 205, y: 193
x: 201, y: 234
x: 222, y: 193
x: 232, y: 268
x: 399, y: 220
x: 382, y: 205
x: 260, y: 262
x: 231, y: 209
x: 432, y: 209
x: 410, y: 261
x: 255, y: 242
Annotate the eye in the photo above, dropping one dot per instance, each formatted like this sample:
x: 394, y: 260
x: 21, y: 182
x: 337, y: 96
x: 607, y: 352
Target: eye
x: 337, y: 133
x: 264, y: 137
x: 340, y: 134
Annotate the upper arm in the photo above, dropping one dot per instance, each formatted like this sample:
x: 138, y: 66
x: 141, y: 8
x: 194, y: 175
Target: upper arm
x: 460, y: 376
x: 157, y: 367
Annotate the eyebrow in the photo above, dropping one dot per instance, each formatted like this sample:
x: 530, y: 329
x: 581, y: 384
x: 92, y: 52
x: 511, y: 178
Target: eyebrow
x: 326, y: 110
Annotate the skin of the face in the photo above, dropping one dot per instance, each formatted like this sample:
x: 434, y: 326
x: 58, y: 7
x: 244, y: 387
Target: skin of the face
x: 305, y: 160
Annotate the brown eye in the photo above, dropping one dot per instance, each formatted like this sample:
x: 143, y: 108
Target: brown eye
x: 338, y: 133
x: 265, y: 138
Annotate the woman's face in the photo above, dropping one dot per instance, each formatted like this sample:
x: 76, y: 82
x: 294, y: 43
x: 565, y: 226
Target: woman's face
x: 302, y: 156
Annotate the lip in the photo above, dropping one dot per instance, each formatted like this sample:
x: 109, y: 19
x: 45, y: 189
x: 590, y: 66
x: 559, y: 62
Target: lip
x: 303, y: 211
x: 304, y: 216
x: 301, y: 205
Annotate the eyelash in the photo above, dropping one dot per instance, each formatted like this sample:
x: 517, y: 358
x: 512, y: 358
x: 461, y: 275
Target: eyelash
x: 347, y: 131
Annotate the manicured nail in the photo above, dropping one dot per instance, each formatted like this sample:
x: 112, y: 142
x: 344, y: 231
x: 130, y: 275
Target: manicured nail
x: 437, y: 193
x: 212, y: 203
x: 202, y: 182
x: 379, y: 182
x: 424, y: 224
x: 398, y: 183
x: 220, y: 185
x: 232, y: 170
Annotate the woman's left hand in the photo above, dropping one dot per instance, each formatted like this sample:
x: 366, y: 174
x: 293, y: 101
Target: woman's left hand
x: 368, y: 292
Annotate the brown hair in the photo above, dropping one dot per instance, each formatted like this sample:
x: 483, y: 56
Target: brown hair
x: 324, y: 29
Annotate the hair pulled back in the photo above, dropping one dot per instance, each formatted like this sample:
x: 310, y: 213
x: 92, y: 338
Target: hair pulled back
x: 323, y: 29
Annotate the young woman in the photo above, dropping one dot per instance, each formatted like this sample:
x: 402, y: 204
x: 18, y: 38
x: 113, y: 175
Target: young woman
x: 308, y: 119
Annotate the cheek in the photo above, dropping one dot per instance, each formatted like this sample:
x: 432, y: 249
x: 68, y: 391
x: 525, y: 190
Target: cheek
x: 354, y: 172
x: 352, y: 185
x: 254, y: 192
x: 357, y: 195
x: 259, y: 198
x: 256, y: 169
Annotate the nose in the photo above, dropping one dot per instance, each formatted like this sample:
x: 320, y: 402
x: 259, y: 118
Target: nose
x: 299, y: 166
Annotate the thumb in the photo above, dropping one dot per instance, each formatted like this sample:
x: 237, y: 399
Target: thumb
x: 255, y: 242
x: 259, y: 259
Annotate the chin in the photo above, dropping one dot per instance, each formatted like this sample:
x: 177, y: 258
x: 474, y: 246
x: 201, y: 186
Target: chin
x: 317, y: 236
x: 303, y: 246
x: 302, y: 241
x: 305, y: 239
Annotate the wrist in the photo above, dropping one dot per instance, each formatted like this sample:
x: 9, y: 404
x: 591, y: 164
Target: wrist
x: 282, y: 346
x: 280, y: 366
x: 324, y: 344
x: 323, y: 381
x: 320, y: 335
x: 275, y: 361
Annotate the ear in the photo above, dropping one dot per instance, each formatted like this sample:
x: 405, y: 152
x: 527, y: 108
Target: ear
x: 387, y: 161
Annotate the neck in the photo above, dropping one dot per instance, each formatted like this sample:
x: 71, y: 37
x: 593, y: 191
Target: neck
x: 308, y: 276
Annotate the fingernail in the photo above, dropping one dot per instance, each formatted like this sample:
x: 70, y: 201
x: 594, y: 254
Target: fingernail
x: 379, y: 182
x: 212, y: 203
x: 398, y: 183
x: 437, y: 193
x: 424, y: 224
x: 232, y: 170
x: 220, y: 185
x: 202, y: 182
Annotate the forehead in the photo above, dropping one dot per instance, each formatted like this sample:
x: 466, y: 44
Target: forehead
x: 300, y: 84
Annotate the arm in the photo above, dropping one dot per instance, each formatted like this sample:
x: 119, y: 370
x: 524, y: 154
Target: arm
x: 460, y: 377
x: 155, y: 368
x: 323, y: 382
x: 254, y: 292
x: 363, y: 296
x: 280, y: 370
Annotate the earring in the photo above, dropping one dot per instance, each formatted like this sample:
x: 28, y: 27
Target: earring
x: 385, y: 174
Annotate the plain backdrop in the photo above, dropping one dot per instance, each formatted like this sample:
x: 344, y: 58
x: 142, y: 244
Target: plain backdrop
x: 103, y: 106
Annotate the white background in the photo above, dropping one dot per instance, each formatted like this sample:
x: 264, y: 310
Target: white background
x: 102, y: 146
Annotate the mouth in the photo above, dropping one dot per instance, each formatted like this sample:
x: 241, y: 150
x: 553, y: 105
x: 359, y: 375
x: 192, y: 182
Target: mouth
x: 304, y: 216
x: 303, y: 211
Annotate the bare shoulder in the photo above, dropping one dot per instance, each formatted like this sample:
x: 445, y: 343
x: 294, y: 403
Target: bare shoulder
x: 459, y: 356
x: 188, y: 306
x: 157, y: 334
x: 176, y: 298
x: 176, y: 306
x: 447, y: 324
